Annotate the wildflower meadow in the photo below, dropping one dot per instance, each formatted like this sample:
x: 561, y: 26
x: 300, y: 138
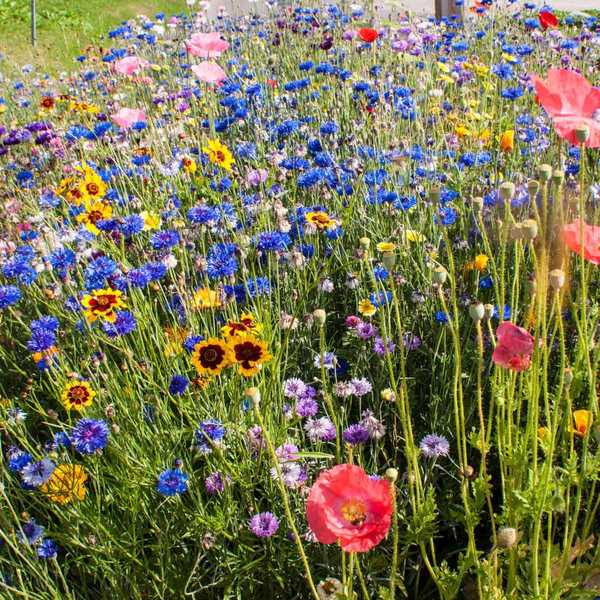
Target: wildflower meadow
x: 304, y: 304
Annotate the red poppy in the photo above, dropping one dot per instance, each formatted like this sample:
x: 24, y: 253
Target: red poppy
x: 548, y: 20
x: 591, y: 240
x: 366, y: 34
x: 572, y: 101
x: 345, y: 505
x: 514, y: 347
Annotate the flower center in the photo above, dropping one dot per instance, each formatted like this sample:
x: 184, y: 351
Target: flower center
x: 354, y: 511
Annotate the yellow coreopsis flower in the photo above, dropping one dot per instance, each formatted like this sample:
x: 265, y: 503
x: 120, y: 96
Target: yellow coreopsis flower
x: 102, y: 304
x: 152, y: 220
x: 366, y: 308
x: 67, y: 483
x: 205, y: 298
x: 507, y: 141
x: 77, y: 395
x: 95, y: 210
x: 219, y: 154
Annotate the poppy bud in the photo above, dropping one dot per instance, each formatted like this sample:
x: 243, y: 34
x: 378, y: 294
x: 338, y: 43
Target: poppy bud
x: 391, y: 475
x: 468, y: 472
x: 253, y: 394
x: 530, y: 229
x: 388, y: 395
x: 516, y: 231
x: 582, y: 133
x: 558, y: 176
x: 507, y: 190
x: 434, y: 194
x: 476, y: 311
x: 507, y: 537
x: 557, y: 279
x: 568, y: 376
x: 489, y: 310
x: 533, y: 187
x: 440, y: 275
x: 544, y: 172
x: 389, y: 260
x: 477, y: 203
x: 365, y: 243
x: 320, y: 315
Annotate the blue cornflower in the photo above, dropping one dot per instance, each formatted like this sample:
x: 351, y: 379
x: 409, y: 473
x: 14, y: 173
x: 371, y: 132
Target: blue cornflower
x: 90, y: 435
x: 273, y: 240
x: 162, y: 240
x: 485, y: 283
x: 18, y: 459
x: 9, y: 295
x: 190, y: 342
x: 124, y: 323
x: 41, y: 339
x: 328, y: 128
x: 30, y: 532
x: 37, y: 473
x: 172, y: 482
x: 356, y: 434
x: 178, y: 385
x: 61, y: 260
x: 47, y: 549
x: 208, y: 432
x: 131, y: 225
x: 441, y: 316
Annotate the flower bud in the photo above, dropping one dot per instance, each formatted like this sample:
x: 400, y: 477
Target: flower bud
x: 440, y: 275
x: 507, y: 190
x: 516, y: 231
x: 507, y: 537
x: 391, y: 475
x: 557, y: 279
x: 365, y: 243
x: 434, y: 194
x: 544, y: 172
x: 476, y: 311
x: 558, y: 176
x: 477, y: 203
x: 320, y: 316
x: 489, y: 310
x: 253, y: 394
x: 568, y: 376
x: 529, y: 229
x: 533, y: 187
x: 389, y: 260
x: 468, y: 472
x: 582, y: 133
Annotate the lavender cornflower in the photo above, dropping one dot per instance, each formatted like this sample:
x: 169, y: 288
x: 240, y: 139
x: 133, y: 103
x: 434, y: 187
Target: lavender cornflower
x: 37, y: 473
x: 306, y: 407
x: 287, y: 452
x: 361, y: 387
x: 382, y: 348
x: 215, y: 483
x: 356, y: 434
x: 255, y: 439
x: 328, y: 360
x: 373, y: 425
x: 434, y: 446
x: 264, y: 524
x: 293, y: 388
x: 320, y: 430
x: 293, y: 474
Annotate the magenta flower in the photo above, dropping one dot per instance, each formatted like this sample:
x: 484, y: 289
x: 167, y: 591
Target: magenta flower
x: 514, y: 347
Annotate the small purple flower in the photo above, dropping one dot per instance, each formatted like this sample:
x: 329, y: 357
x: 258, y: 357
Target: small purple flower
x: 264, y: 524
x: 90, y: 435
x: 382, y: 348
x: 434, y: 446
x: 328, y: 360
x: 30, y: 532
x: 361, y: 387
x: 306, y: 407
x: 215, y: 483
x: 287, y: 452
x: 320, y: 430
x: 293, y: 388
x: 366, y: 330
x: 47, y: 549
x: 411, y: 341
x: 356, y: 434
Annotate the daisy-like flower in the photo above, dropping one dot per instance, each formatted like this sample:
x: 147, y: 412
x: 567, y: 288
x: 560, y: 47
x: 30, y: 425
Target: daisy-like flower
x: 321, y: 220
x: 219, y: 154
x: 77, y: 395
x: 102, y: 304
x: 205, y: 299
x: 66, y: 484
x: 249, y: 353
x: 212, y: 356
x: 246, y: 324
x: 95, y: 210
x: 92, y: 187
x: 366, y: 308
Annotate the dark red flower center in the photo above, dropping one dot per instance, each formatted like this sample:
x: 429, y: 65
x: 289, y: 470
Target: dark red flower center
x: 211, y: 356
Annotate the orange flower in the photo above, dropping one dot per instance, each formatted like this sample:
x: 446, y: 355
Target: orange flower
x: 507, y: 141
x: 583, y: 422
x: 246, y: 324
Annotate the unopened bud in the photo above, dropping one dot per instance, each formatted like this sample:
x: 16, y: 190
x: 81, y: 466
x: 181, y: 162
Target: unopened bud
x: 544, y: 172
x: 365, y: 243
x: 558, y: 177
x: 477, y: 203
x: 391, y: 475
x: 582, y: 133
x: 568, y: 376
x: 507, y: 190
x: 476, y: 311
x: 440, y: 275
x: 529, y: 229
x: 434, y: 194
x: 320, y: 316
x: 533, y: 187
x: 516, y: 231
x: 253, y: 394
x: 557, y: 279
x: 389, y: 260
x: 507, y: 537
x: 489, y: 310
x: 468, y: 472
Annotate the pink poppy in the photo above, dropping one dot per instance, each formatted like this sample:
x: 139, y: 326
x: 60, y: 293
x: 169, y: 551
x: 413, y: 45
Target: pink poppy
x: 345, y: 505
x: 514, y: 347
x: 206, y: 45
x: 572, y: 101
x: 591, y: 240
x: 209, y: 72
x: 130, y: 65
x: 127, y: 117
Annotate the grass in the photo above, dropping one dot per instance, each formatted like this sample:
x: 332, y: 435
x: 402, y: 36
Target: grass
x: 66, y: 27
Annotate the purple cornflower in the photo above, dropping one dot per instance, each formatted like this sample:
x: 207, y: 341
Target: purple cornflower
x: 215, y: 483
x: 30, y: 532
x: 255, y: 438
x: 306, y: 407
x: 361, y: 387
x: 382, y: 348
x: 287, y: 452
x: 90, y: 435
x: 293, y: 388
x: 328, y: 360
x: 356, y: 434
x: 264, y: 524
x: 366, y: 330
x: 293, y: 474
x: 411, y: 341
x: 434, y: 446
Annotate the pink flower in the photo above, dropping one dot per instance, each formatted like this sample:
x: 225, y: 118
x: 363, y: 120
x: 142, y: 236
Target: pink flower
x: 514, y: 347
x: 209, y: 72
x: 206, y: 45
x: 591, y: 240
x: 127, y: 117
x: 130, y: 65
x: 572, y: 101
x: 257, y: 176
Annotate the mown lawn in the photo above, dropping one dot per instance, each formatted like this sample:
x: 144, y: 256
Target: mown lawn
x: 65, y: 27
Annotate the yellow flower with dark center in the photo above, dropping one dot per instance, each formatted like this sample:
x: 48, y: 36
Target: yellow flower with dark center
x: 366, y: 308
x: 320, y: 220
x: 102, y: 304
x: 95, y: 210
x: 211, y: 356
x: 219, y: 154
x: 188, y: 164
x: 77, y: 395
x: 205, y: 299
x: 92, y: 187
x: 67, y: 483
x: 249, y: 353
x: 246, y: 324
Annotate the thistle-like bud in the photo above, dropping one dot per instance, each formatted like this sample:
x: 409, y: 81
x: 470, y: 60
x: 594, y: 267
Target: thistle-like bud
x: 440, y: 275
x: 516, y: 231
x: 507, y: 537
x: 391, y: 475
x: 320, y: 316
x: 434, y: 194
x: 529, y: 229
x: 507, y: 190
x: 557, y: 279
x: 253, y: 394
x: 582, y: 133
x: 477, y: 311
x: 544, y: 172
